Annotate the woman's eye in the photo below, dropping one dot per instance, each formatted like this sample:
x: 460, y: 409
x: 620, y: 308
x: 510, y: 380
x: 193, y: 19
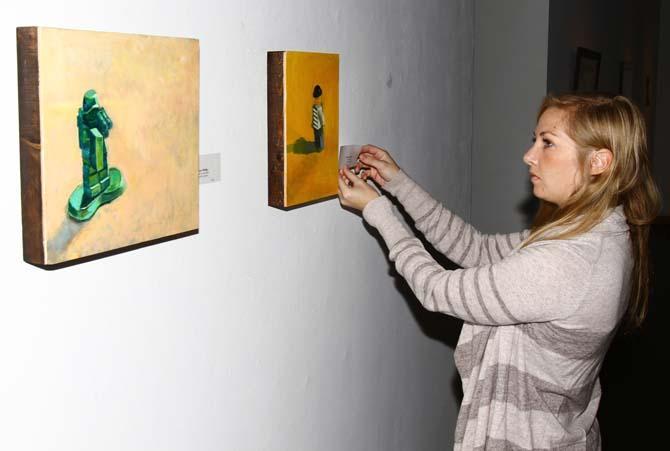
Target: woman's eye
x: 546, y: 143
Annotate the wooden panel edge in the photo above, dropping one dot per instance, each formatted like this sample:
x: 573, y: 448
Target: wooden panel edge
x: 275, y: 101
x: 117, y: 251
x: 197, y: 175
x: 30, y: 144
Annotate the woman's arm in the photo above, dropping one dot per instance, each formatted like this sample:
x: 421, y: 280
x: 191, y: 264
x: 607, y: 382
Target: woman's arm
x: 458, y: 240
x: 448, y: 232
x: 542, y: 282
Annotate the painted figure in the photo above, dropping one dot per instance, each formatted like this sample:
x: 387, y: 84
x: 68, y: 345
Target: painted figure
x: 318, y: 120
x: 101, y: 184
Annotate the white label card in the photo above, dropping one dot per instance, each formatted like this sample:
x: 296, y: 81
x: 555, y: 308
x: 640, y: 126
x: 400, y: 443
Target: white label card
x: 349, y: 155
x: 210, y: 168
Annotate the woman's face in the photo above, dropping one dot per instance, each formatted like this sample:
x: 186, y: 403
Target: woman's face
x: 552, y: 159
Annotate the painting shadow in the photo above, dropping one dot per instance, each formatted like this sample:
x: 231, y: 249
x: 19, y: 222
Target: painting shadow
x: 67, y: 231
x: 302, y: 146
x: 528, y: 207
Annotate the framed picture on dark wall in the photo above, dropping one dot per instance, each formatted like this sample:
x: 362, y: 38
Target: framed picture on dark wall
x: 587, y: 70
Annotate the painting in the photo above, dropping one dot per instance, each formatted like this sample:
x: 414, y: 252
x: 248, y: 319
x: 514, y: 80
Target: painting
x: 303, y: 127
x: 587, y: 70
x: 109, y: 130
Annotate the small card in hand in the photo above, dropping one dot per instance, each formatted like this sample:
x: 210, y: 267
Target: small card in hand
x: 349, y: 155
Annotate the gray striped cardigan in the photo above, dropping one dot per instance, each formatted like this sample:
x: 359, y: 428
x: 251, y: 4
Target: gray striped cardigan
x: 537, y: 321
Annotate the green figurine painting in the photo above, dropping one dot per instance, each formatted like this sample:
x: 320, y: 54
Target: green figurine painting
x: 109, y: 142
x: 101, y: 184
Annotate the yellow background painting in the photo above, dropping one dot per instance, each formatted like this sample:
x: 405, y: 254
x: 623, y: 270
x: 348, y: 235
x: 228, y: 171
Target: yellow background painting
x: 149, y: 86
x: 311, y: 175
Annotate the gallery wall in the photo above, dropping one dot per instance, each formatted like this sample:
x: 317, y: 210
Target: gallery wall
x: 510, y: 68
x: 269, y: 330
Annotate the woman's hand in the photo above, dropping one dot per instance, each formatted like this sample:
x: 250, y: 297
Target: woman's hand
x: 354, y: 192
x: 377, y: 164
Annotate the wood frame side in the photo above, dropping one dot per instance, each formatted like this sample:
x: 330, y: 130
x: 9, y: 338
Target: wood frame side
x: 276, y: 129
x: 30, y: 144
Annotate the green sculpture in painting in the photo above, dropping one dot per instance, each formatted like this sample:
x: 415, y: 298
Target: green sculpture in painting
x: 102, y: 184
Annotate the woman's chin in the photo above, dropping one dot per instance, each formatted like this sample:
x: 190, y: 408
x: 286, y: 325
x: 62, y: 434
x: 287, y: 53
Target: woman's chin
x: 539, y: 194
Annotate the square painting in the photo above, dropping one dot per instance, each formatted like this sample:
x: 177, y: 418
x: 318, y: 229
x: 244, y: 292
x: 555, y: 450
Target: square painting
x: 109, y: 141
x: 303, y: 127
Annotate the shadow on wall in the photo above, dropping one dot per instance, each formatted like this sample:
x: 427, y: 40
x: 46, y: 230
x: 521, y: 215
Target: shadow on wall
x: 436, y: 326
x: 528, y: 207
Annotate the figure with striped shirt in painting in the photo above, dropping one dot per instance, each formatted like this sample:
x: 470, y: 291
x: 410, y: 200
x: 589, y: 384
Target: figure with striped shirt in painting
x: 541, y: 306
x: 318, y: 120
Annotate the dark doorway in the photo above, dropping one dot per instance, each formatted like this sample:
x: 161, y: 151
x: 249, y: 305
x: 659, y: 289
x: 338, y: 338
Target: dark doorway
x: 628, y: 43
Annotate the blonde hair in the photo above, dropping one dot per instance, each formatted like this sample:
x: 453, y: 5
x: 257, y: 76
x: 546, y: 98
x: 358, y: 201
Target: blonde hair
x: 602, y: 122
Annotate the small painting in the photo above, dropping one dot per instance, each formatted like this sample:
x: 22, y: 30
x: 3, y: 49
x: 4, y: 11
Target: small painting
x: 587, y: 70
x: 109, y: 142
x: 303, y: 127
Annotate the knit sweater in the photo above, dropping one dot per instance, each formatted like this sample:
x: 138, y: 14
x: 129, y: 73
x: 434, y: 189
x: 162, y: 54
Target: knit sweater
x: 537, y: 321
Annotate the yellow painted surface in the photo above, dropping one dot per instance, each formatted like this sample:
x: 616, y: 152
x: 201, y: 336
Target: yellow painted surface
x: 149, y: 86
x: 311, y: 176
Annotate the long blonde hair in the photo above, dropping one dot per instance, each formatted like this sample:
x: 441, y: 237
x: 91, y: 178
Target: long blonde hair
x: 602, y: 122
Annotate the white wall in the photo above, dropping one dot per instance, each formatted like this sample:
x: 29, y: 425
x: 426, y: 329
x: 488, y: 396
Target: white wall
x: 269, y: 330
x: 510, y: 68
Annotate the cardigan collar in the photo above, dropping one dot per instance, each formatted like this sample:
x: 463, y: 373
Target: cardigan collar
x: 615, y: 221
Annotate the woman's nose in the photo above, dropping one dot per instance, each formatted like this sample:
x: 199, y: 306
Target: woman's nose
x: 529, y: 157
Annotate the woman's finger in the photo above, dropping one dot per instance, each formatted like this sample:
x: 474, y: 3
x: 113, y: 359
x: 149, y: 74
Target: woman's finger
x: 368, y: 160
x: 356, y: 181
x: 373, y: 173
x: 373, y: 161
x: 353, y: 178
x: 342, y: 190
x: 374, y: 150
x: 349, y: 176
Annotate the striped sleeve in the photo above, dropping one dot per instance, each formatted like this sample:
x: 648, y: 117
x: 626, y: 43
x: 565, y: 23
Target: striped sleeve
x: 451, y: 235
x: 543, y: 282
x: 318, y: 121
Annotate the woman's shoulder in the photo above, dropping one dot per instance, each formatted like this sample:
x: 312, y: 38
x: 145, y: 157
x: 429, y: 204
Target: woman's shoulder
x: 589, y: 247
x: 613, y: 224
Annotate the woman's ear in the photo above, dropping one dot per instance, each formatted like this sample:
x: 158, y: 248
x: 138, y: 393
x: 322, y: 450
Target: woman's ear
x: 601, y: 159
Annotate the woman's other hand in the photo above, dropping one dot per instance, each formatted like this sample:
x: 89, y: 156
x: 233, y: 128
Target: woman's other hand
x: 353, y: 191
x: 377, y: 164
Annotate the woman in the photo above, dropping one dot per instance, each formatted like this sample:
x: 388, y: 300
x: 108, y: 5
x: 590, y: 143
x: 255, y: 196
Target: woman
x: 540, y: 307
